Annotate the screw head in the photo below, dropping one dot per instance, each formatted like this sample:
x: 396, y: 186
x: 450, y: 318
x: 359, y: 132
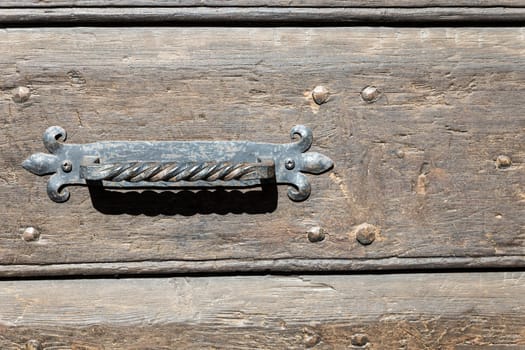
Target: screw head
x: 21, y: 94
x: 67, y: 166
x: 316, y: 234
x: 370, y: 94
x: 30, y: 234
x: 289, y: 164
x: 503, y: 161
x: 320, y: 94
x: 366, y: 233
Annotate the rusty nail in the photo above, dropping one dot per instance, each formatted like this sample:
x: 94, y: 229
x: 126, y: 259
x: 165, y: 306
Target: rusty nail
x: 366, y: 233
x: 33, y: 345
x: 320, y: 94
x: 359, y: 339
x: 21, y: 94
x: 316, y: 234
x: 370, y: 94
x: 30, y: 234
x: 67, y: 166
x: 503, y: 161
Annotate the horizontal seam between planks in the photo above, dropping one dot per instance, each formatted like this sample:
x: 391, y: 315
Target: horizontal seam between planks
x: 254, y: 15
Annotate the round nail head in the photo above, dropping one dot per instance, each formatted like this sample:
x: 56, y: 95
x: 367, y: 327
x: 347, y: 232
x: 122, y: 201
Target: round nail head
x: 320, y: 94
x: 366, y: 233
x: 33, y: 345
x: 30, y: 234
x: 370, y: 94
x: 289, y: 164
x: 310, y: 338
x: 359, y: 339
x: 316, y: 234
x: 21, y: 94
x: 503, y: 161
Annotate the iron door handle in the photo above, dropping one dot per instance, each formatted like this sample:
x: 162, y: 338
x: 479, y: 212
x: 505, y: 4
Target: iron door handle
x: 177, y: 164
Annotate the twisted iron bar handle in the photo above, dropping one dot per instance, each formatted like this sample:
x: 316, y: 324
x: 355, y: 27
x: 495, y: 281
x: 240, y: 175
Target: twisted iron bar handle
x: 173, y: 172
x: 177, y: 164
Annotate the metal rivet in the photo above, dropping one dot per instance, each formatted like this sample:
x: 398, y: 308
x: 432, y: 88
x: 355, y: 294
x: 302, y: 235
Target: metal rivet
x: 67, y: 166
x: 399, y: 153
x: 316, y: 234
x: 289, y: 164
x: 359, y: 339
x: 320, y: 94
x: 30, y: 234
x: 503, y: 161
x: 33, y: 345
x: 366, y: 233
x: 370, y: 94
x: 21, y: 94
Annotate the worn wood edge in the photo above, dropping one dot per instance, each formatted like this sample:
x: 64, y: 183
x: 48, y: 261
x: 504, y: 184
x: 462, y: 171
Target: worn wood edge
x: 256, y: 15
x: 263, y: 265
x: 259, y: 3
x: 408, y: 311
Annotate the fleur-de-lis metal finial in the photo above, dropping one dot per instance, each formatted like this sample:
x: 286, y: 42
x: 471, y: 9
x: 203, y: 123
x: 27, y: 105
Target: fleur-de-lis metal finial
x: 169, y: 164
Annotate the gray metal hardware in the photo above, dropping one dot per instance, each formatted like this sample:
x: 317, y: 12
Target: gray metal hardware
x: 177, y: 164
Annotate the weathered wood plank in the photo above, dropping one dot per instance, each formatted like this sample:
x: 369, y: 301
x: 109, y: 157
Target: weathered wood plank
x: 256, y: 3
x: 419, y: 163
x: 269, y: 15
x: 409, y: 311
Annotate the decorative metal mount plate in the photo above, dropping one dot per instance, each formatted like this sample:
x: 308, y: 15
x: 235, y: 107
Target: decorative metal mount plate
x: 176, y: 164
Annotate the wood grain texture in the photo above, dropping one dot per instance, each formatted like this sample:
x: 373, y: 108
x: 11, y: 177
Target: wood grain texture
x: 256, y: 3
x: 419, y: 163
x: 209, y: 15
x: 409, y: 311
